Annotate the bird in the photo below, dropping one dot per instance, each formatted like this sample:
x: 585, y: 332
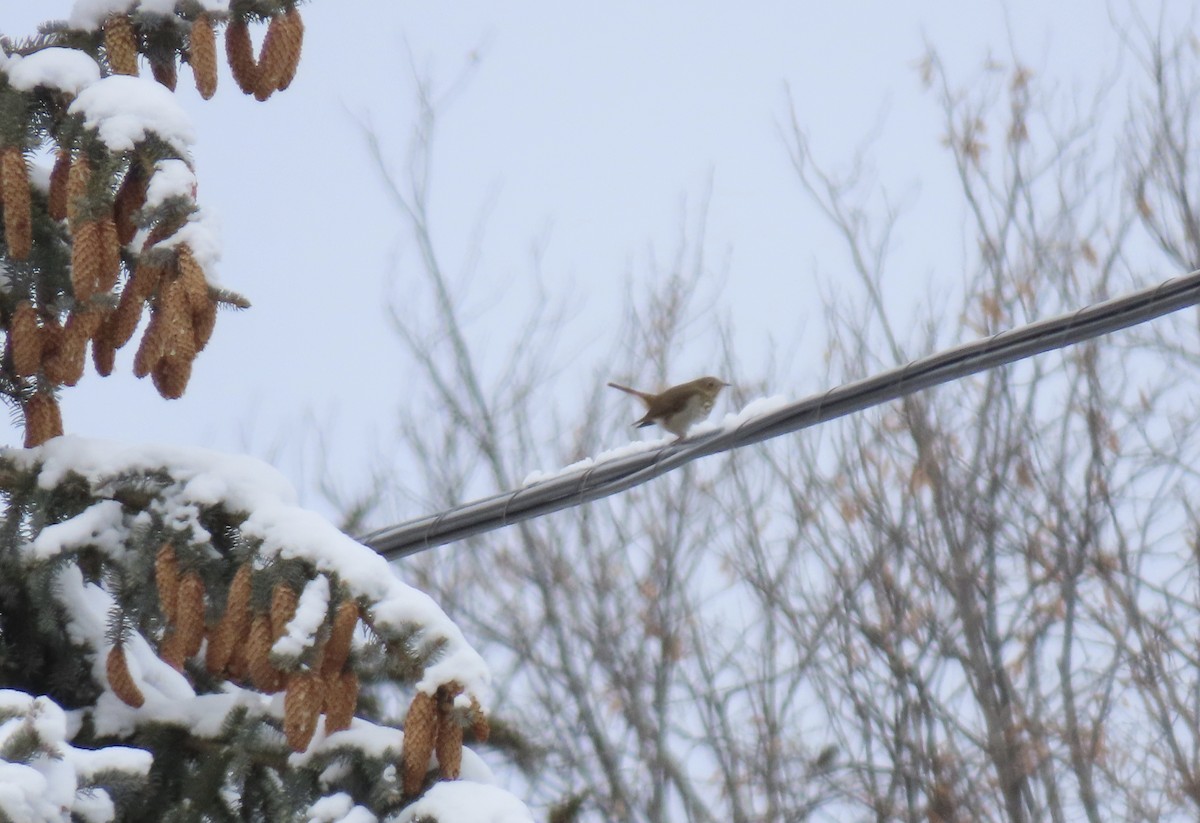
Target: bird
x: 676, y: 409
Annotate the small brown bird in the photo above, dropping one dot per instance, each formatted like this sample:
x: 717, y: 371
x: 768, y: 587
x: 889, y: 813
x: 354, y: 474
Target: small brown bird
x: 676, y: 409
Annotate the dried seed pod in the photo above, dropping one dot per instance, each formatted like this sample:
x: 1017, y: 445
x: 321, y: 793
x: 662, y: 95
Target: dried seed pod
x: 337, y: 647
x: 301, y: 708
x: 239, y: 51
x: 294, y: 42
x: 165, y: 72
x: 43, y: 419
x: 89, y: 256
x: 166, y: 580
x: 78, y: 179
x: 202, y: 54
x: 190, y: 613
x: 130, y: 199
x: 341, y: 699
x: 234, y: 622
x: 25, y: 339
x: 14, y: 196
x: 283, y: 608
x: 420, y: 733
x: 258, y: 654
x: 120, y: 44
x: 56, y: 204
x: 120, y: 680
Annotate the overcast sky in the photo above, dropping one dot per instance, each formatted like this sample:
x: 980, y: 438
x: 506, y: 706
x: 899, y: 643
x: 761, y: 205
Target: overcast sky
x: 589, y: 126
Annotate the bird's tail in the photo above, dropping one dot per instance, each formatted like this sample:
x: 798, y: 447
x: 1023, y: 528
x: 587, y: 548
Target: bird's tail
x: 641, y: 395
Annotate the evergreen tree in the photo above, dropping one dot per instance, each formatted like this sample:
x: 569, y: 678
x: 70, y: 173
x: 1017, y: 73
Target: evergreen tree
x: 179, y: 641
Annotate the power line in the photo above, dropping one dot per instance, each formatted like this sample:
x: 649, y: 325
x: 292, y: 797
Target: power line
x: 625, y: 472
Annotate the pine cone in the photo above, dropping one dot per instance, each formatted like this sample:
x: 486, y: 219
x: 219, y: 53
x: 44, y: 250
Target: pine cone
x: 301, y: 708
x: 89, y: 256
x: 203, y: 323
x: 202, y: 54
x: 420, y: 733
x: 63, y: 366
x: 170, y: 650
x: 110, y: 260
x: 449, y: 746
x: 154, y: 341
x: 337, y: 647
x: 171, y: 375
x: 120, y: 44
x: 480, y: 727
x: 104, y: 354
x: 120, y: 680
x: 258, y: 655
x: 14, y: 195
x: 190, y: 614
x: 165, y: 72
x: 274, y: 57
x: 283, y: 608
x: 43, y: 419
x: 234, y: 622
x: 130, y: 199
x: 57, y: 201
x: 52, y: 335
x: 239, y: 51
x: 294, y: 42
x: 78, y: 178
x: 341, y: 699
x: 25, y: 339
x: 166, y: 579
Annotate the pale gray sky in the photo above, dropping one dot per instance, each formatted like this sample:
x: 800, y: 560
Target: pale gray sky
x: 589, y: 125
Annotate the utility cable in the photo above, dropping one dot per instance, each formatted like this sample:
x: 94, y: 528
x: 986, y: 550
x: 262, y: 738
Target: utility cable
x: 612, y: 476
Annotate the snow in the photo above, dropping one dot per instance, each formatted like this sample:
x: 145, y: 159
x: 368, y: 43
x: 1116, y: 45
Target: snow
x: 90, y: 14
x: 39, y: 177
x: 464, y: 801
x: 311, y: 611
x: 68, y: 70
x: 731, y: 421
x: 174, y: 178
x: 338, y: 808
x: 241, y: 484
x: 98, y: 525
x: 123, y: 110
x: 46, y: 786
x: 201, y: 233
x: 372, y: 740
x: 171, y: 178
